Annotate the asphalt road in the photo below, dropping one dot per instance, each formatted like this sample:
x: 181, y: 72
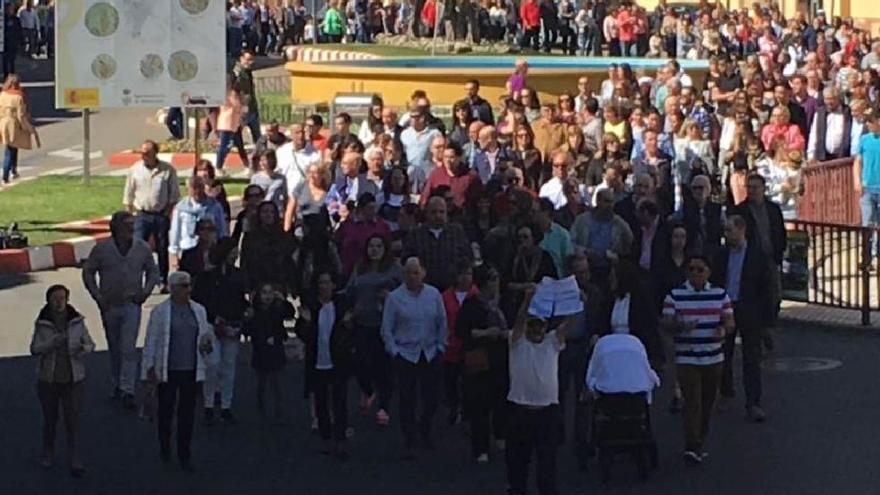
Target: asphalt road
x: 821, y: 436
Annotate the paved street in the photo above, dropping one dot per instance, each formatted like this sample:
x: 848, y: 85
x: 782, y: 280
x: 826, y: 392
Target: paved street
x: 821, y: 436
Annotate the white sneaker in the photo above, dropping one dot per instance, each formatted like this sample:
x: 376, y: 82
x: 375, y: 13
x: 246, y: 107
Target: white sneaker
x: 500, y: 445
x: 483, y: 458
x: 692, y: 457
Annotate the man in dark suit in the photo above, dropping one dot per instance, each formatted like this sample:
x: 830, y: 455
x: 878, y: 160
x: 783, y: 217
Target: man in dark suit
x: 650, y: 238
x: 702, y: 218
x: 766, y: 228
x: 741, y: 267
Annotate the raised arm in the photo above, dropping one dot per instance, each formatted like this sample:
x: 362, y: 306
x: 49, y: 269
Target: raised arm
x: 519, y: 328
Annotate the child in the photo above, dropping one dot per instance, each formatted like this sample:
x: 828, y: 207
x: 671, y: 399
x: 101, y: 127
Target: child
x: 265, y: 327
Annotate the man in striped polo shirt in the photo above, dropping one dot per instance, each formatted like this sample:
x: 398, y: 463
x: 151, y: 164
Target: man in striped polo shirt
x: 699, y: 316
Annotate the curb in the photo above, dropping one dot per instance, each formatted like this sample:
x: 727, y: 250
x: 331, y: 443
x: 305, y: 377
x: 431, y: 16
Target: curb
x: 60, y: 254
x: 127, y: 158
x: 69, y: 252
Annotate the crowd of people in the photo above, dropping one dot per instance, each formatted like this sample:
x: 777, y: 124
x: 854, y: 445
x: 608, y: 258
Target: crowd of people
x: 404, y: 252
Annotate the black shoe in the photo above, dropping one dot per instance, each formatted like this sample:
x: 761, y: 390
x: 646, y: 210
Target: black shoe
x: 227, y: 417
x: 128, y: 402
x: 427, y: 442
x: 187, y: 466
x: 209, y: 416
x: 453, y: 418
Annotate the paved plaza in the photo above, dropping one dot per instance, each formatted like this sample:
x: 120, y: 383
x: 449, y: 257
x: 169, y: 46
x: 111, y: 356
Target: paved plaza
x: 820, y: 437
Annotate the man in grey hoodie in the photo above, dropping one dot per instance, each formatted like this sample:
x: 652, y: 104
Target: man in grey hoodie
x: 126, y: 275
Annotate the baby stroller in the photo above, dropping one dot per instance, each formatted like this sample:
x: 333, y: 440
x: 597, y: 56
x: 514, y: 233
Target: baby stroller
x: 621, y: 379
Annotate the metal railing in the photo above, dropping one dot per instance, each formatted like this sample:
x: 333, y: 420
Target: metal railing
x: 829, y: 193
x: 831, y: 265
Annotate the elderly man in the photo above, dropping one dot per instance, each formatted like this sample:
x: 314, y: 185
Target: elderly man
x: 830, y: 132
x: 489, y: 154
x: 417, y: 140
x: 602, y: 235
x: 414, y: 331
x: 179, y: 339
x: 703, y: 219
x: 126, y: 274
x: 437, y: 243
x: 151, y: 191
x: 295, y: 157
x: 552, y: 189
x: 350, y: 184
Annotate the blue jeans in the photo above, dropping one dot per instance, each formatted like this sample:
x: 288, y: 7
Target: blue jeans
x: 870, y: 206
x: 251, y: 120
x: 121, y: 325
x: 228, y: 138
x: 155, y: 226
x: 10, y: 162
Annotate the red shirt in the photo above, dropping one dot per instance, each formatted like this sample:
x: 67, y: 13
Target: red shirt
x: 429, y: 13
x: 462, y: 185
x: 352, y: 237
x: 626, y: 25
x: 530, y: 14
x: 319, y: 141
x: 453, y: 342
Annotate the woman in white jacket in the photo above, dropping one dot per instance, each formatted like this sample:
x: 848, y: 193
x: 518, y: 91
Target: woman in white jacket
x: 178, y: 342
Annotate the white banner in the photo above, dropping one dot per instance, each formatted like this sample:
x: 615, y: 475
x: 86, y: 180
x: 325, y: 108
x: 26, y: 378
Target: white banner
x: 140, y: 53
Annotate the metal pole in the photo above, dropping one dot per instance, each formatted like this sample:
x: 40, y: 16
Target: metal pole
x: 436, y: 27
x: 87, y: 152
x: 315, y: 28
x: 196, y: 155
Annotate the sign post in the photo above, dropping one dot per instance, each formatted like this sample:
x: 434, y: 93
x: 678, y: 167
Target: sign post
x: 197, y: 155
x: 87, y: 148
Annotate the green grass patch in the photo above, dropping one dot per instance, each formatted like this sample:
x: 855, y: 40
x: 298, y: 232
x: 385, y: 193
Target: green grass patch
x: 41, y: 204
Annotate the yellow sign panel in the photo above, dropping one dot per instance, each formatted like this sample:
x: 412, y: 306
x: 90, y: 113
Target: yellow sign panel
x: 82, y: 98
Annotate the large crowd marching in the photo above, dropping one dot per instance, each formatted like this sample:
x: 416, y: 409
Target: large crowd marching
x: 404, y: 252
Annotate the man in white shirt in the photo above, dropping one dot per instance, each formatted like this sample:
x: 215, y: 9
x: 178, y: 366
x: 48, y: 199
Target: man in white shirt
x: 533, y: 414
x: 552, y: 189
x: 295, y: 157
x: 830, y: 131
x: 414, y: 331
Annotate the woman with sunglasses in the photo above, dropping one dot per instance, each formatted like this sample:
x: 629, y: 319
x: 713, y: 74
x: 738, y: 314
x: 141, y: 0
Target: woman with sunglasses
x: 567, y: 112
x: 527, y: 158
x: 462, y: 116
x: 247, y: 217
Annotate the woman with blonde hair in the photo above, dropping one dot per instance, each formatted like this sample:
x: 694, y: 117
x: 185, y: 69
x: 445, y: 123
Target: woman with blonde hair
x: 16, y: 129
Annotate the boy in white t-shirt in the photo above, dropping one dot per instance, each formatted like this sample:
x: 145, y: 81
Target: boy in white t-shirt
x: 533, y: 422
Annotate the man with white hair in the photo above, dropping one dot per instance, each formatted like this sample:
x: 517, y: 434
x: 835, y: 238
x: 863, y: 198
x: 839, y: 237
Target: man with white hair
x: 414, y: 331
x: 489, y: 154
x: 872, y: 60
x: 177, y: 344
x: 830, y: 132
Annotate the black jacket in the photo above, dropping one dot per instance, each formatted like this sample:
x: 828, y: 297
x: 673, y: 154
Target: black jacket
x: 482, y: 110
x: 711, y: 238
x: 820, y: 121
x: 341, y: 338
x: 268, y: 323
x: 659, y: 244
x: 755, y: 308
x: 222, y: 294
x: 777, y: 227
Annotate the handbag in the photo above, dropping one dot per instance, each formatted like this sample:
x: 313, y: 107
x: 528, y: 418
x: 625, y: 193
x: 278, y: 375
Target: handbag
x: 476, y: 361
